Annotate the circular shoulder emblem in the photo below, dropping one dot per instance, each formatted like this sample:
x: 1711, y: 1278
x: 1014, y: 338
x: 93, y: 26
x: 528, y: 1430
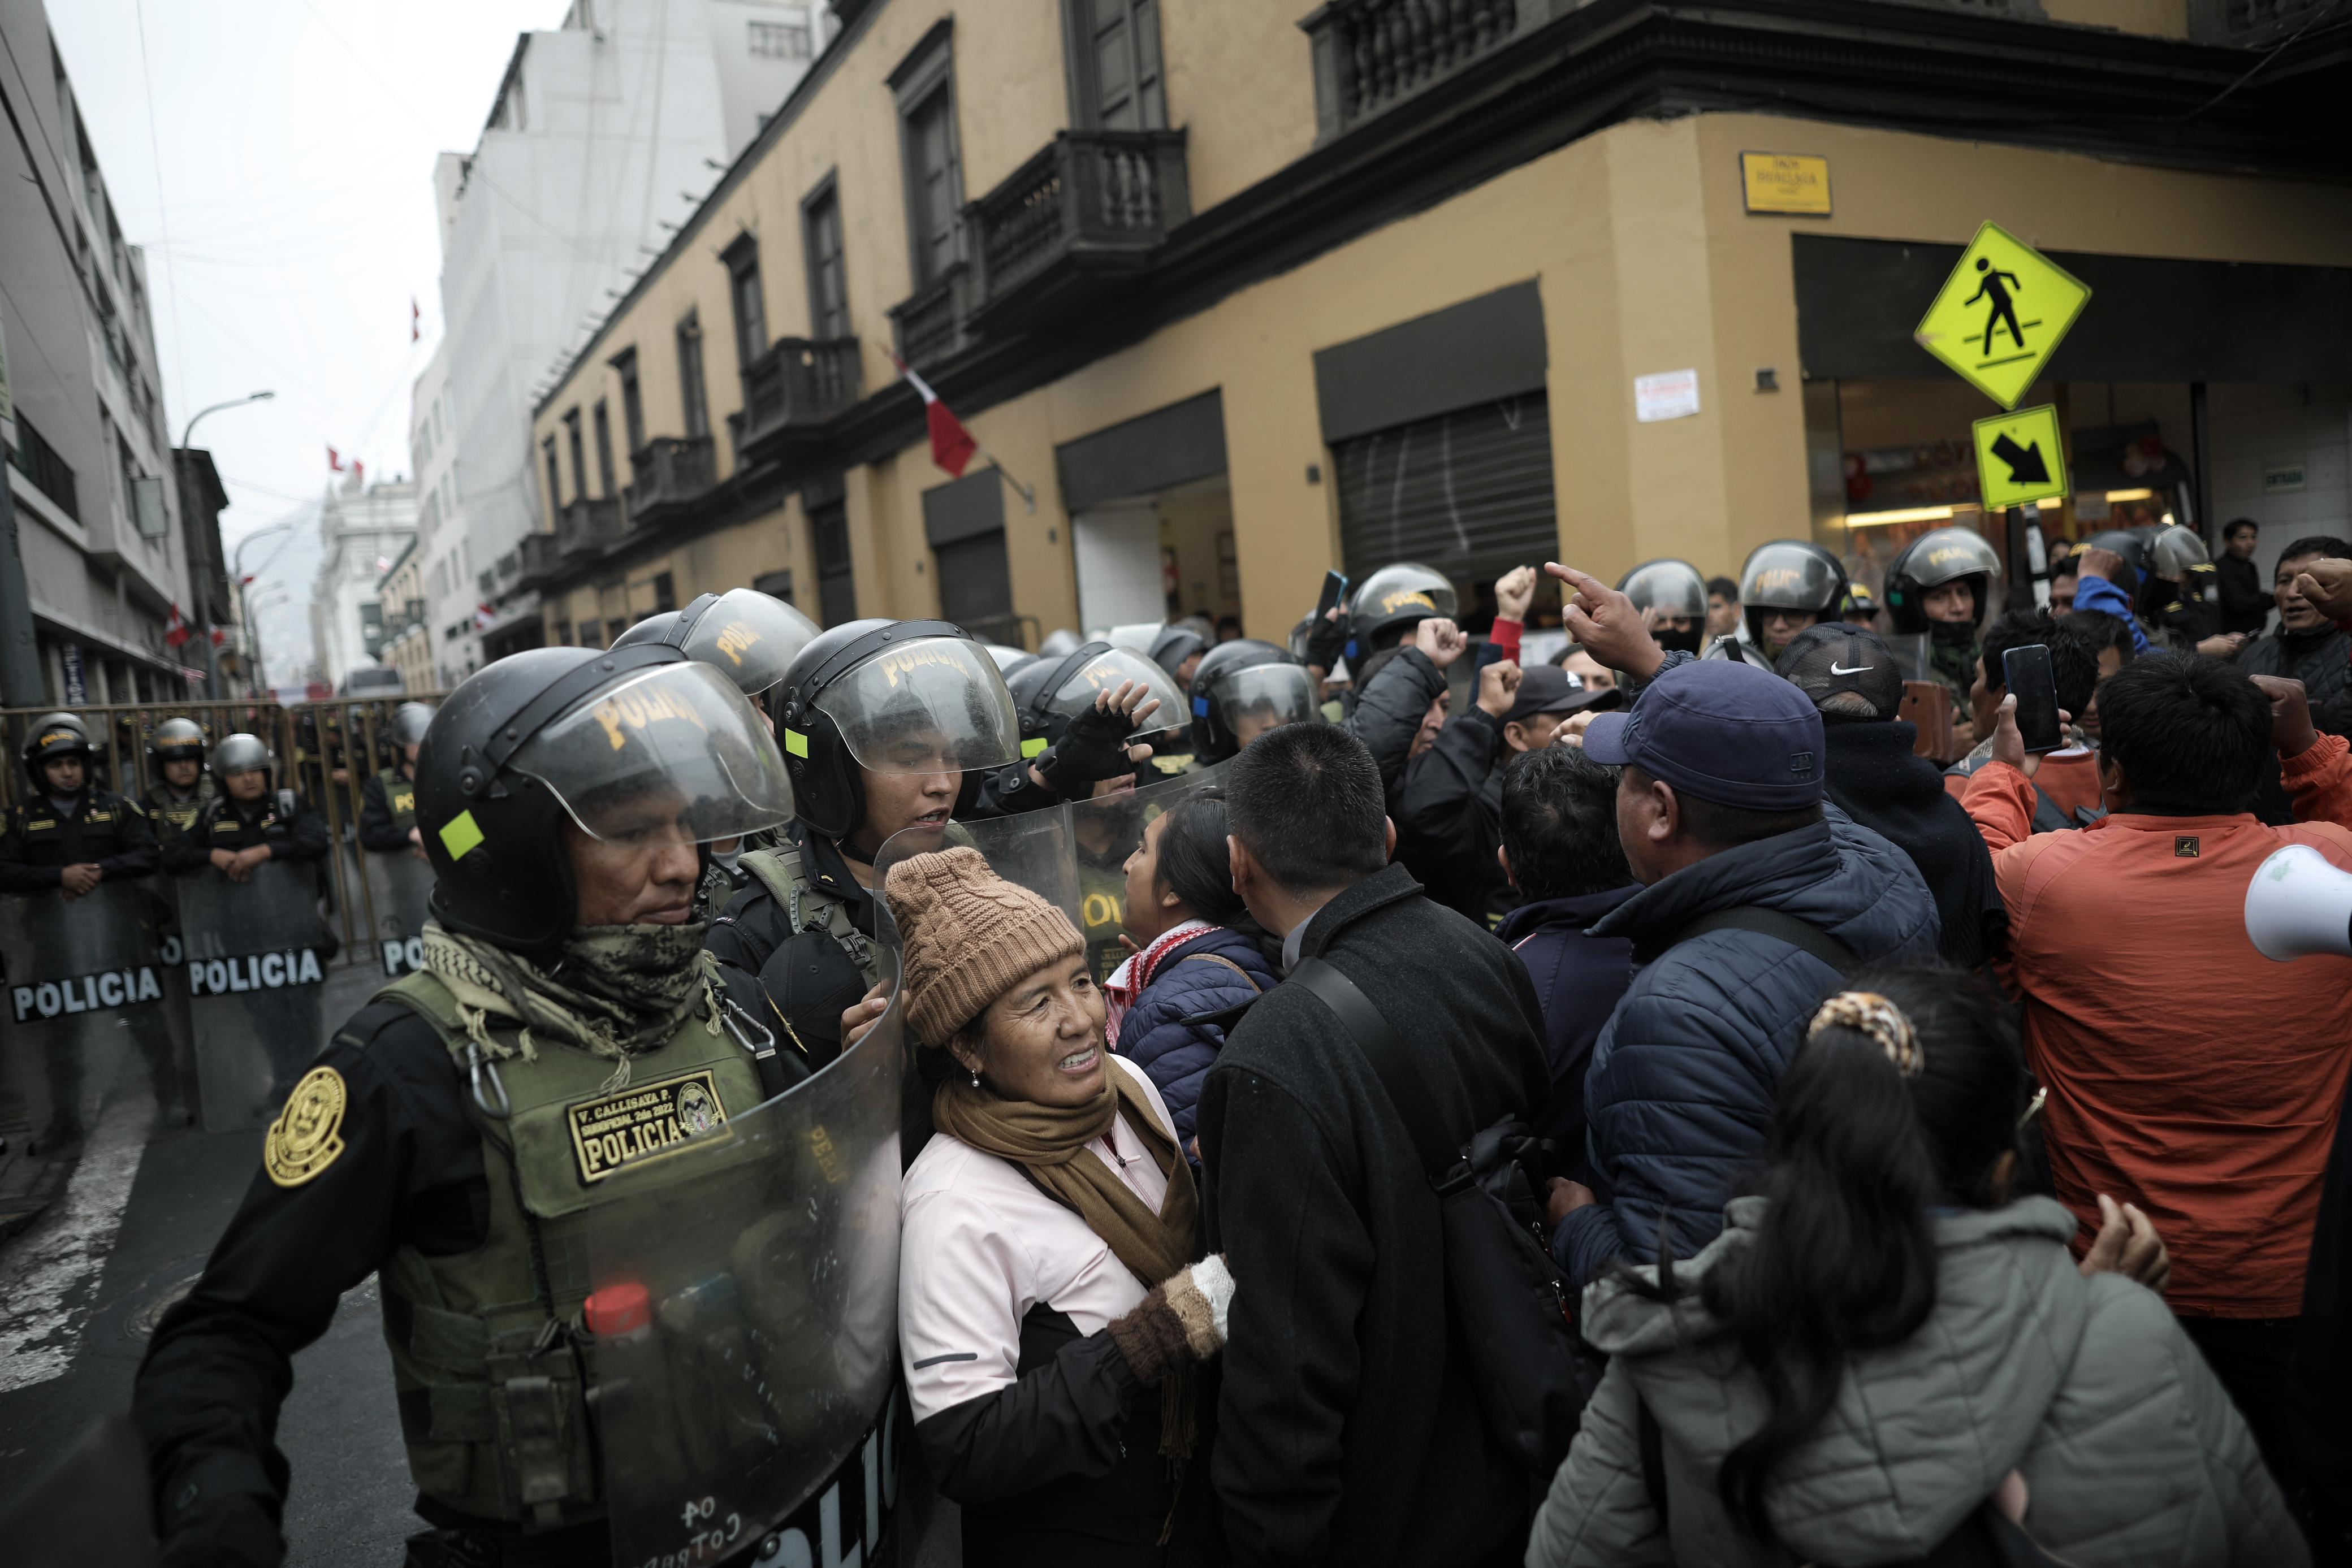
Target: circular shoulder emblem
x: 305, y: 1139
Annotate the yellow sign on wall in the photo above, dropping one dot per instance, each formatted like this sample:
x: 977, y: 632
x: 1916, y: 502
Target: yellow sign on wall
x: 2020, y: 457
x: 1786, y: 182
x: 2000, y: 314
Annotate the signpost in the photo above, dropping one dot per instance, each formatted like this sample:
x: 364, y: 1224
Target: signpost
x: 2000, y: 315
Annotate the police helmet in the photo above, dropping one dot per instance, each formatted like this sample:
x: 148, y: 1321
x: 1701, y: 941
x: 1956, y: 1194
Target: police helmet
x: 2127, y: 543
x: 1008, y: 659
x: 1676, y: 591
x: 890, y: 696
x: 54, y: 735
x: 409, y: 723
x: 1789, y: 574
x: 177, y: 740
x: 1243, y: 689
x: 750, y: 636
x: 2177, y: 551
x: 243, y: 753
x: 1061, y: 639
x: 1935, y: 558
x: 1050, y: 693
x: 1859, y: 604
x: 615, y: 742
x: 1391, y: 602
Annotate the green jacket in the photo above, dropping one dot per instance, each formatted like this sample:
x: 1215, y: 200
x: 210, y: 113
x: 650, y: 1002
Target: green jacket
x: 2131, y: 1452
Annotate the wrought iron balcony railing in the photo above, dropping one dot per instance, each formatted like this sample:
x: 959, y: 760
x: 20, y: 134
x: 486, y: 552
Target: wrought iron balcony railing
x: 931, y: 323
x: 1371, y: 54
x: 1090, y: 203
x: 791, y: 390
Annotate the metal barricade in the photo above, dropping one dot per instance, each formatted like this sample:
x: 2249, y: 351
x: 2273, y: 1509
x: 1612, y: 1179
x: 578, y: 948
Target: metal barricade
x: 82, y: 977
x: 255, y: 959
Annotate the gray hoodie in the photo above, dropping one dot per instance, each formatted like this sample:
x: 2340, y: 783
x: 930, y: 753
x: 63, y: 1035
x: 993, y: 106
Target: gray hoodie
x: 2131, y: 1453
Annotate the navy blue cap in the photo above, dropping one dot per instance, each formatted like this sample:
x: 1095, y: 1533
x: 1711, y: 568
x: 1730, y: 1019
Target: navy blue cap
x: 1722, y: 731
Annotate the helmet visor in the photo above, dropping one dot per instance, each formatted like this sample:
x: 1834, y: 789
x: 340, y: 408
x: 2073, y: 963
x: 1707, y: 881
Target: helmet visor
x: 2179, y: 551
x: 1948, y: 555
x: 1106, y: 671
x: 936, y: 705
x: 753, y: 637
x: 1404, y: 589
x: 1791, y: 577
x: 1263, y: 696
x: 1669, y: 587
x: 674, y: 744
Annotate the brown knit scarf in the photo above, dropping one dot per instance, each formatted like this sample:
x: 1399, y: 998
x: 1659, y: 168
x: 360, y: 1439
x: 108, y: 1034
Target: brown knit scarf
x: 1049, y: 1143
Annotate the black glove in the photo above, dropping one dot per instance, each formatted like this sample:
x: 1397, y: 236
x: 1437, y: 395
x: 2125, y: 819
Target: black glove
x: 236, y: 1532
x: 1325, y: 642
x: 1093, y: 748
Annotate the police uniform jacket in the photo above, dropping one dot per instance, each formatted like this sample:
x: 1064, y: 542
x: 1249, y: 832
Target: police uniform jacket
x: 281, y: 819
x: 103, y: 829
x: 171, y: 814
x: 387, y: 811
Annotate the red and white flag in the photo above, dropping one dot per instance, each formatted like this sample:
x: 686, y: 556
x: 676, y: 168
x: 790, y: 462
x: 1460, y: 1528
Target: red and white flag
x: 415, y: 320
x: 358, y: 470
x: 334, y: 460
x: 951, y: 444
x: 175, y: 630
x: 483, y: 616
x: 220, y: 638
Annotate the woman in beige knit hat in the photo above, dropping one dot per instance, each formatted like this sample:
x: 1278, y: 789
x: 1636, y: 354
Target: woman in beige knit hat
x: 1050, y: 1314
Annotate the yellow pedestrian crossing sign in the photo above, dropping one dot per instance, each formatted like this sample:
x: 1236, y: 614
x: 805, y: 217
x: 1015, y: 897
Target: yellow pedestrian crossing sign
x: 2000, y: 315
x: 2020, y: 457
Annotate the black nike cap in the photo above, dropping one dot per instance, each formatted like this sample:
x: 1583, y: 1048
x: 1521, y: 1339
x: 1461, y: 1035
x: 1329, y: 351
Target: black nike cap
x: 1825, y: 660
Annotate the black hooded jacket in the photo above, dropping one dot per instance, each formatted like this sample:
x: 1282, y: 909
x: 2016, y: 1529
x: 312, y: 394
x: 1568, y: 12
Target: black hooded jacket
x: 2317, y: 659
x: 1878, y: 780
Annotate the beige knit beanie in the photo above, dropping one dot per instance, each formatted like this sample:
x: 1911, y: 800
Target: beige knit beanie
x: 969, y: 935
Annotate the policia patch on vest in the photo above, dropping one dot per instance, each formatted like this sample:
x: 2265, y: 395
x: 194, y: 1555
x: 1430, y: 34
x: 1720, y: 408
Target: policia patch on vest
x: 641, y: 1120
x: 306, y: 1137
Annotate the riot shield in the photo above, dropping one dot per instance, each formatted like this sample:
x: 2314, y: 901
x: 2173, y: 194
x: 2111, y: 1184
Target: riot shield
x: 397, y: 887
x: 81, y: 976
x: 255, y: 960
x: 745, y: 1320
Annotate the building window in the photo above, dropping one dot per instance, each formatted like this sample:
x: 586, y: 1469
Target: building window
x: 837, y: 582
x: 925, y: 86
x: 1114, y: 51
x: 633, y: 404
x: 780, y: 40
x: 664, y: 593
x: 743, y: 260
x: 604, y: 472
x: 592, y: 634
x: 554, y: 481
x: 828, y: 276
x: 563, y: 634
x: 579, y: 455
x: 695, y: 413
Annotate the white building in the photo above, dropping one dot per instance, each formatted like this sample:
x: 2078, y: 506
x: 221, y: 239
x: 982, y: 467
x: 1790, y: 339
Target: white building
x: 98, y: 513
x: 604, y: 135
x: 362, y: 528
x: 443, y: 549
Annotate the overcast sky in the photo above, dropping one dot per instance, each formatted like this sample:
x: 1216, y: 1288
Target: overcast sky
x: 282, y: 189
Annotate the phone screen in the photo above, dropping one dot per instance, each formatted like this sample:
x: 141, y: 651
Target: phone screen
x: 1335, y: 587
x: 2036, y: 689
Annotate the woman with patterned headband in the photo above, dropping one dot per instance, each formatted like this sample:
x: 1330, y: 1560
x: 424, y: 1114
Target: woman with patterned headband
x: 1888, y: 1356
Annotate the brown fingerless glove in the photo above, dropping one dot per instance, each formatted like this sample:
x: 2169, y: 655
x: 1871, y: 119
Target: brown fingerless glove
x: 1182, y: 1321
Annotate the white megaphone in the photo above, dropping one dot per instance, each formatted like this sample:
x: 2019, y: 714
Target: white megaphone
x: 2298, y: 904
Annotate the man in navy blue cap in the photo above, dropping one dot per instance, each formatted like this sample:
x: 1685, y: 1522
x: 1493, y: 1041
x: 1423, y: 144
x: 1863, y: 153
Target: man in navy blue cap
x: 1754, y: 902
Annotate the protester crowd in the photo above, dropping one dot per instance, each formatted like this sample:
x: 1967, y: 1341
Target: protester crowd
x: 1927, y: 1167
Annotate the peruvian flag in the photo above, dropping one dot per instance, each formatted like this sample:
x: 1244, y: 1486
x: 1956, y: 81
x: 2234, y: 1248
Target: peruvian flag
x: 358, y: 470
x: 951, y: 444
x: 175, y: 630
x: 334, y: 460
x: 483, y: 616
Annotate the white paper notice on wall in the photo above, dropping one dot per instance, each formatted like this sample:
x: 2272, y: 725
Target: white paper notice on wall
x: 1669, y: 395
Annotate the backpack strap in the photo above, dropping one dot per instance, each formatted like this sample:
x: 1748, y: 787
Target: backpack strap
x: 1228, y: 962
x: 779, y: 871
x: 1780, y: 927
x: 1378, y: 1040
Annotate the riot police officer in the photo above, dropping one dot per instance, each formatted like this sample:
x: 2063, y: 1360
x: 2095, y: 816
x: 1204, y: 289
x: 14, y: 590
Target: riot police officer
x: 1176, y: 648
x: 888, y: 725
x: 1785, y: 586
x: 66, y: 837
x: 250, y: 821
x: 2184, y: 595
x: 69, y: 834
x: 1245, y: 688
x: 1671, y: 596
x: 1051, y: 694
x: 1387, y: 606
x: 183, y: 787
x: 1940, y: 587
x: 563, y: 796
x: 388, y: 799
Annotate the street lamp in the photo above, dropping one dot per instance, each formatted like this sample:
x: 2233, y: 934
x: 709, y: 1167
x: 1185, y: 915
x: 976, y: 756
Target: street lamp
x: 234, y: 403
x: 237, y: 573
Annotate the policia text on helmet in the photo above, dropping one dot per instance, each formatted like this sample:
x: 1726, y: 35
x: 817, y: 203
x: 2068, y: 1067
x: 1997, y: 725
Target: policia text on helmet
x: 441, y: 1140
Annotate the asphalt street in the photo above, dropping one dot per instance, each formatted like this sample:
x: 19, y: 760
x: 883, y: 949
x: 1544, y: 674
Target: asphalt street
x: 80, y: 1290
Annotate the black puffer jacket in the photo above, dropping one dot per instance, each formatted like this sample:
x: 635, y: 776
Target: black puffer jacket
x: 2317, y: 659
x: 1349, y: 1428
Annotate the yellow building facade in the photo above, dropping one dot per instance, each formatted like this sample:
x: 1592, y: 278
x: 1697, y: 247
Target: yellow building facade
x: 1227, y: 299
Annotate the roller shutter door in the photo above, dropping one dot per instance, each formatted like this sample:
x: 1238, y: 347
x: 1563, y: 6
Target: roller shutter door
x: 1469, y: 492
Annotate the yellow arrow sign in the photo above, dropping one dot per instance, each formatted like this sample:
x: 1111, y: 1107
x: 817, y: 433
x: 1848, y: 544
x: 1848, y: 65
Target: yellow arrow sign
x: 2000, y: 315
x: 2020, y: 457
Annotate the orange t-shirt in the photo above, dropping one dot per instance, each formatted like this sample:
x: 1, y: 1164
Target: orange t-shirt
x: 2187, y: 1073
x: 2069, y: 778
